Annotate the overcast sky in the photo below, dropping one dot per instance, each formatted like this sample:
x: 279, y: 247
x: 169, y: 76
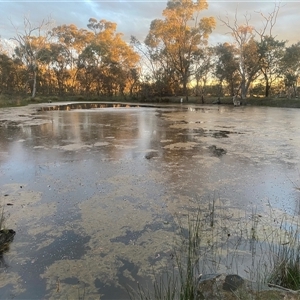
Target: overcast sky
x: 134, y: 17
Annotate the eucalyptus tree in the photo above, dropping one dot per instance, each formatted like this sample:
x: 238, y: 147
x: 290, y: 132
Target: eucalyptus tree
x: 11, y: 74
x: 203, y: 68
x: 156, y: 69
x: 226, y: 67
x: 68, y: 42
x: 290, y: 66
x: 72, y: 38
x: 93, y: 67
x: 271, y: 52
x: 31, y: 40
x: 56, y: 61
x: 133, y: 78
x: 247, y: 40
x: 180, y: 35
x: 107, y: 61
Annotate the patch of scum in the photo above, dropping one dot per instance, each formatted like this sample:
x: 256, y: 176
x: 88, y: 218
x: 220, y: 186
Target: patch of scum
x: 103, y: 219
x: 103, y: 255
x: 79, y: 146
x: 13, y: 278
x: 208, y: 161
x: 21, y: 203
x: 101, y: 261
x: 257, y: 149
x: 24, y: 207
x: 23, y: 116
x: 185, y: 145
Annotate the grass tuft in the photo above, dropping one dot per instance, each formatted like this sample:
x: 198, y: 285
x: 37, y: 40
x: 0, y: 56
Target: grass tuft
x: 264, y: 249
x: 2, y: 218
x: 285, y: 271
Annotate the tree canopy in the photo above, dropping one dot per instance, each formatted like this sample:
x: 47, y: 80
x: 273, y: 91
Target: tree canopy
x: 175, y: 58
x: 180, y: 35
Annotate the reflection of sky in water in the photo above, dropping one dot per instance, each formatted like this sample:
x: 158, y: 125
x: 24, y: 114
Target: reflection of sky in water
x: 17, y: 164
x: 100, y: 159
x: 261, y: 151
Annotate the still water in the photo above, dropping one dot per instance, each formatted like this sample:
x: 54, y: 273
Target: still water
x: 92, y: 191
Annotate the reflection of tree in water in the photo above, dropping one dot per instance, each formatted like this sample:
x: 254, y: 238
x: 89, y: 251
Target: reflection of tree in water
x: 6, y: 237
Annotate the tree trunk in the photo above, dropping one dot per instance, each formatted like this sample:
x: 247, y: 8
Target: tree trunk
x: 34, y: 83
x: 185, y: 91
x: 244, y: 88
x: 267, y: 90
x: 197, y: 87
x: 267, y: 87
x: 232, y: 88
x: 294, y: 90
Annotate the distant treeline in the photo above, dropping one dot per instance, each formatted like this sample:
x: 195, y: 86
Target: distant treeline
x: 174, y: 58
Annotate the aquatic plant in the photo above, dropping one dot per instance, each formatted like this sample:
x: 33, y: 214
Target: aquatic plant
x: 1, y: 218
x: 181, y: 280
x: 264, y: 248
x: 285, y: 257
x: 6, y: 235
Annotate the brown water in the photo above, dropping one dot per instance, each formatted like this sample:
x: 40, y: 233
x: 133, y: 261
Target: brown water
x: 95, y: 190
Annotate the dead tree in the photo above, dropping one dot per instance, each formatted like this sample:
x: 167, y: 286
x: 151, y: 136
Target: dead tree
x: 30, y: 41
x: 247, y: 46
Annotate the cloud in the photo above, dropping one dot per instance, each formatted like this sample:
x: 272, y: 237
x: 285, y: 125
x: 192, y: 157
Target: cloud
x: 134, y: 17
x: 283, y: 29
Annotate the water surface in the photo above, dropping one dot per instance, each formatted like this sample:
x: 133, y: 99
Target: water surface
x: 95, y: 190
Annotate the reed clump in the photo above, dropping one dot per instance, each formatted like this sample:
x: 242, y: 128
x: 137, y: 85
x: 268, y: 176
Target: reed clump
x: 262, y: 248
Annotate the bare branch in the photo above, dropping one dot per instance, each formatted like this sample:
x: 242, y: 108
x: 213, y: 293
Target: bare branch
x: 241, y: 33
x: 269, y: 21
x: 249, y: 59
x: 30, y: 42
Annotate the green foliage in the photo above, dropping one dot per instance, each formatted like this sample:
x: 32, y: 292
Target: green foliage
x: 271, y: 52
x: 175, y: 41
x: 291, y: 65
x: 226, y: 68
x: 66, y: 60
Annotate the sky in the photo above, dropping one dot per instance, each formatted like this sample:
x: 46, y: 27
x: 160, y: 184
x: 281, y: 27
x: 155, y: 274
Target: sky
x: 134, y: 17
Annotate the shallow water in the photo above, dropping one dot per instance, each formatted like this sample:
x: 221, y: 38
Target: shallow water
x: 95, y: 190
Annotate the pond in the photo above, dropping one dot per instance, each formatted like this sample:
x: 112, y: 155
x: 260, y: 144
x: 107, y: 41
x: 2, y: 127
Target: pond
x: 93, y: 191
